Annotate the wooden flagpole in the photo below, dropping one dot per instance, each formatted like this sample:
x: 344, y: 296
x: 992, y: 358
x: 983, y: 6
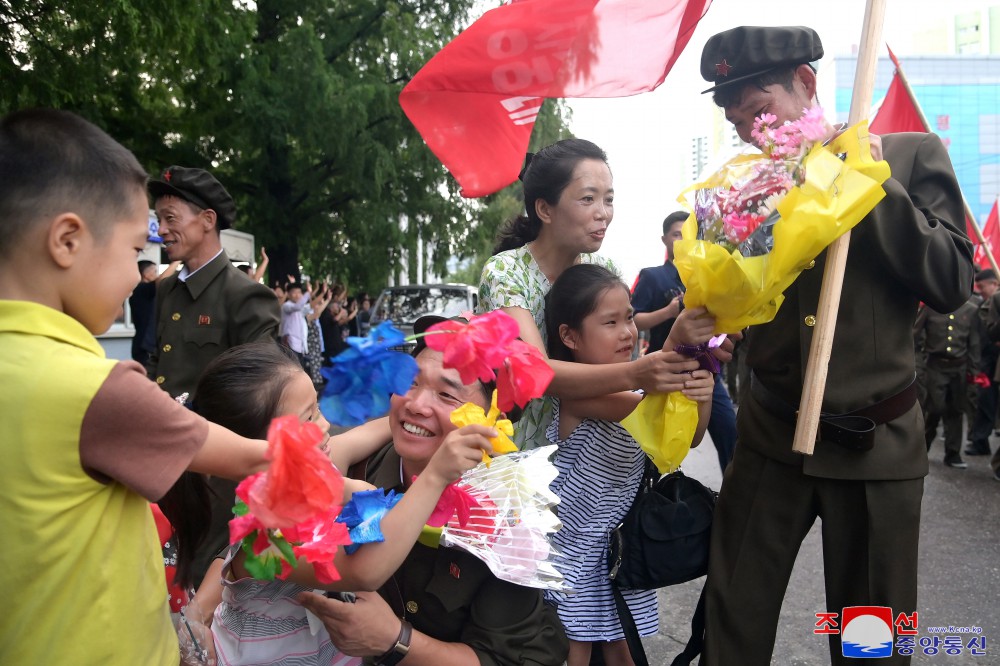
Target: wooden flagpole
x: 814, y: 386
x: 965, y: 202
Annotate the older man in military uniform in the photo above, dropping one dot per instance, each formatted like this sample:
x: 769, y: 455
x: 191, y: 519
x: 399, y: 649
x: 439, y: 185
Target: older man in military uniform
x: 209, y: 306
x: 950, y: 347
x: 865, y: 480
x: 206, y: 308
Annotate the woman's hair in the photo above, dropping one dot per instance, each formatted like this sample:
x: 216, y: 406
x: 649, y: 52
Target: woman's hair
x: 239, y: 390
x: 574, y: 296
x: 545, y: 176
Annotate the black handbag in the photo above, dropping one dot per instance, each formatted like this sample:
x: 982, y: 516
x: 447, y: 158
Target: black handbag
x: 663, y: 540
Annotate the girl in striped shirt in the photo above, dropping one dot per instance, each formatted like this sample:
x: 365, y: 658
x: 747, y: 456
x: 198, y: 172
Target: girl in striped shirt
x: 589, y: 320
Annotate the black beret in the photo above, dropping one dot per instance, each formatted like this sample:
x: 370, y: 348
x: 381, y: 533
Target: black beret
x: 748, y: 51
x: 986, y: 274
x: 423, y: 323
x: 199, y: 187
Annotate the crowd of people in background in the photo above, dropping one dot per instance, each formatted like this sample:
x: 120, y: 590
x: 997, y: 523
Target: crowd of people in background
x: 316, y: 321
x: 86, y: 456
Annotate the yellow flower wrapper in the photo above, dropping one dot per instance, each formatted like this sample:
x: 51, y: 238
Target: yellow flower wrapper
x: 664, y: 425
x: 469, y: 414
x: 743, y: 291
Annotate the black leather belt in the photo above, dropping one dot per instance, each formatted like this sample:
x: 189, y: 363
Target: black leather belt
x: 854, y: 430
x: 941, y: 361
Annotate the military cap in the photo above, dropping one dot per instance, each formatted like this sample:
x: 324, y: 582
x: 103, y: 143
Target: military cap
x: 986, y: 274
x: 749, y: 51
x: 423, y: 323
x: 199, y: 187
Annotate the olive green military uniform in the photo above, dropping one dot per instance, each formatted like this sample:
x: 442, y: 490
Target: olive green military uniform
x: 218, y: 307
x: 451, y: 596
x: 950, y: 347
x: 902, y: 253
x: 992, y: 320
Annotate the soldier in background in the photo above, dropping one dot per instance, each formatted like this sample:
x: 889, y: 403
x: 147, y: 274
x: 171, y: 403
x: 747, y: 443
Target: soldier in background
x: 949, y: 346
x: 981, y: 425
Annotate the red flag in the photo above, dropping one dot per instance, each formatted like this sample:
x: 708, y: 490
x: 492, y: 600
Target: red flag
x: 898, y: 112
x: 476, y: 101
x: 991, y: 233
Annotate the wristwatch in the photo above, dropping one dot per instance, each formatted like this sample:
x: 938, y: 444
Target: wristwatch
x: 396, y: 653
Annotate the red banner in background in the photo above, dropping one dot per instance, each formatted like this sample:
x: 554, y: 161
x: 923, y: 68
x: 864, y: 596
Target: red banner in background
x: 476, y: 101
x: 991, y: 233
x: 899, y: 112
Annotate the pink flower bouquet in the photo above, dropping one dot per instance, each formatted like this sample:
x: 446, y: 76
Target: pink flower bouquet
x: 758, y: 221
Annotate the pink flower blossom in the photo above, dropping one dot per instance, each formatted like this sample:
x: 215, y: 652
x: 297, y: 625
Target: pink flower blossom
x: 300, y: 482
x: 524, y: 376
x: 454, y: 500
x: 738, y: 226
x: 476, y: 348
x: 241, y: 526
x: 812, y: 125
x: 317, y: 540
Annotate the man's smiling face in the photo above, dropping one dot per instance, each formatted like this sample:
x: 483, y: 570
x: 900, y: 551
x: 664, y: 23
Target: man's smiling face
x: 420, y: 419
x: 182, y: 226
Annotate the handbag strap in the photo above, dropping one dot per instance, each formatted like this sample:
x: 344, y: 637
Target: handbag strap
x: 631, y: 631
x: 696, y: 643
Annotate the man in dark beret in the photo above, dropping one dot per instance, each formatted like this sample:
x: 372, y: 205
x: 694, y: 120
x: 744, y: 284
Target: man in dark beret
x: 207, y: 307
x: 865, y: 480
x: 986, y: 398
x: 988, y: 286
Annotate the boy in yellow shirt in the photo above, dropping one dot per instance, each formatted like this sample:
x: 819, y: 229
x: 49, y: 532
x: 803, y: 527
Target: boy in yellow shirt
x: 86, y: 442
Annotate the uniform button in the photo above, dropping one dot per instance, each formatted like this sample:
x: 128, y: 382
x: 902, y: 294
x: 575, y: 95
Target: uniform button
x: 811, y: 264
x: 947, y: 348
x: 411, y: 607
x: 161, y: 379
x: 176, y: 316
x: 950, y: 338
x: 951, y: 328
x: 810, y: 320
x: 167, y: 348
x: 951, y: 316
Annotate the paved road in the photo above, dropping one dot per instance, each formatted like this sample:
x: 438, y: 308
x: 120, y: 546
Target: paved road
x: 959, y: 570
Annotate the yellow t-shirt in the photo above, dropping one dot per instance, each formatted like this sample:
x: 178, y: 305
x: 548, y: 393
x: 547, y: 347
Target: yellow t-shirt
x: 81, y: 577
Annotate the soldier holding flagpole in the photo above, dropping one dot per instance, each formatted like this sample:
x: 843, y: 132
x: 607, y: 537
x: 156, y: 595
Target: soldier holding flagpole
x: 865, y: 478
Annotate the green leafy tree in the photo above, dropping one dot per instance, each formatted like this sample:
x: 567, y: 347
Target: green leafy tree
x: 293, y: 104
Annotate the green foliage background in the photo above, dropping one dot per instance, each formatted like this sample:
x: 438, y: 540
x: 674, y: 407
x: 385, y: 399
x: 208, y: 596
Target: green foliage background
x: 293, y: 104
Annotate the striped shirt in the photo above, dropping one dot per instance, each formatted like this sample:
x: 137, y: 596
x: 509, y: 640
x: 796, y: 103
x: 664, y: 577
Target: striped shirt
x: 600, y: 467
x: 260, y: 622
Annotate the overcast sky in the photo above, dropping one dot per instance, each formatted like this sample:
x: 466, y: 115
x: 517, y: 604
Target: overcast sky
x: 648, y: 137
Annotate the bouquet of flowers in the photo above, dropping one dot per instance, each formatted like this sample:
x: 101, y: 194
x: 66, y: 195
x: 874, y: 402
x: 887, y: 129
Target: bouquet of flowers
x: 508, y: 517
x: 290, y: 510
x: 293, y: 509
x: 758, y: 221
x: 663, y: 424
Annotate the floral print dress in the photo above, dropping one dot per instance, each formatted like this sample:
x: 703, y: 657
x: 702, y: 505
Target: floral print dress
x: 513, y: 279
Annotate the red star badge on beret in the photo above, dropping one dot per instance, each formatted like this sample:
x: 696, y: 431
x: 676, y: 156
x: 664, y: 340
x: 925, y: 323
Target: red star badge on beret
x: 166, y: 174
x: 722, y: 68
